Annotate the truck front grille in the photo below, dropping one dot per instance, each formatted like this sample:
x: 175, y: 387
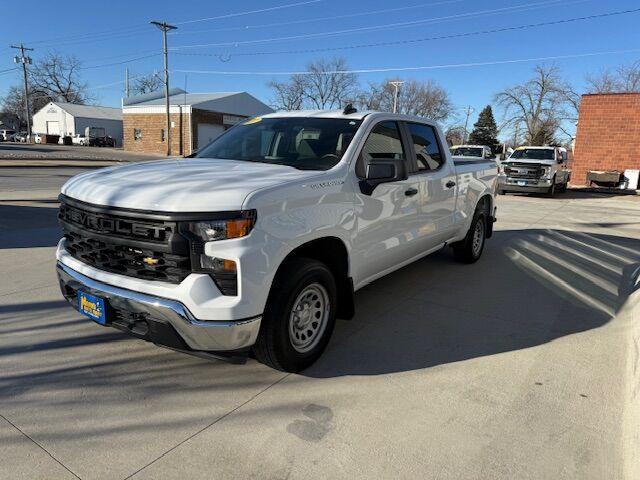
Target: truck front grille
x: 124, y: 242
x: 524, y: 170
x: 136, y: 262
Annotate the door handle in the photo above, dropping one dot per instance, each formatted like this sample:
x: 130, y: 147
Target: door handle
x: 450, y: 184
x: 411, y: 192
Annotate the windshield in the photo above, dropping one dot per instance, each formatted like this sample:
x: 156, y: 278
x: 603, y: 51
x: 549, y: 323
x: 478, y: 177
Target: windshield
x: 533, y: 154
x: 467, y: 152
x: 302, y: 143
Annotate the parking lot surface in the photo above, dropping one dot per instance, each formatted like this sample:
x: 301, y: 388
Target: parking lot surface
x: 524, y: 365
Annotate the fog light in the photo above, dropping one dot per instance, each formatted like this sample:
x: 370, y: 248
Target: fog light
x: 221, y: 265
x: 224, y: 273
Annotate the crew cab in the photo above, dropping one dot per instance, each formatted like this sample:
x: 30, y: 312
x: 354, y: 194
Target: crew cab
x: 535, y: 170
x: 258, y: 243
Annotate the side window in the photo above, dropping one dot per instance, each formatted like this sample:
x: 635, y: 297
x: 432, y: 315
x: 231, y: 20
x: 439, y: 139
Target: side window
x: 384, y: 141
x: 425, y: 144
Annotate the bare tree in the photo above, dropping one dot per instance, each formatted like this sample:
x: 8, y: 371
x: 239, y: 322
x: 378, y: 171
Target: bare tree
x: 57, y: 78
x: 326, y: 84
x: 423, y: 99
x: 286, y: 95
x: 538, y: 106
x: 13, y: 102
x: 455, y: 134
x: 147, y: 84
x: 624, y: 79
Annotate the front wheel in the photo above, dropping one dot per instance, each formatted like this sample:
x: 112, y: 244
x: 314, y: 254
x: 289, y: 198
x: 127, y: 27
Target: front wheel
x: 299, y: 317
x: 552, y: 189
x: 470, y: 249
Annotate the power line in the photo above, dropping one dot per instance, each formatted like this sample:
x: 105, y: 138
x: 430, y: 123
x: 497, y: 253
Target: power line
x: 8, y: 70
x: 321, y: 19
x: 405, y: 69
x: 90, y: 35
x: 120, y: 63
x: 249, y: 12
x: 418, y: 40
x: 412, y: 23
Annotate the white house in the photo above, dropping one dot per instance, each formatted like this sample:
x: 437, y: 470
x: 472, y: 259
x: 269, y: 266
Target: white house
x: 59, y: 118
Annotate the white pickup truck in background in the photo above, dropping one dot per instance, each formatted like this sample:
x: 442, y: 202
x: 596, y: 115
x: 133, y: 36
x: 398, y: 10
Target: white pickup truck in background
x: 535, y: 170
x: 260, y: 241
x: 471, y: 152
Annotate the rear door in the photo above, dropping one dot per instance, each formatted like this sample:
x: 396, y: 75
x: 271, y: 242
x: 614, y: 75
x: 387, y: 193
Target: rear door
x: 387, y: 220
x: 435, y: 175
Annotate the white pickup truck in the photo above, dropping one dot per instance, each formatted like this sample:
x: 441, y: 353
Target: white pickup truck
x: 258, y: 243
x: 535, y: 170
x: 471, y: 152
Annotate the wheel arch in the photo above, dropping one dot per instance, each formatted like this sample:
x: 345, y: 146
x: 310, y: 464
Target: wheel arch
x: 333, y: 252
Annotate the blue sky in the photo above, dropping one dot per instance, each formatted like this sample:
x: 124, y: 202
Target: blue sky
x: 116, y: 31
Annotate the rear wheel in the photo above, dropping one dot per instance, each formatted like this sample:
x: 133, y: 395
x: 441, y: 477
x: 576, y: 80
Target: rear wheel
x: 470, y: 249
x: 299, y: 317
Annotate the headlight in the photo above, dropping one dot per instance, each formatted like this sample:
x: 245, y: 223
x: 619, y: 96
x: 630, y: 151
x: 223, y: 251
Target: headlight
x: 546, y: 171
x: 223, y: 271
x: 213, y: 230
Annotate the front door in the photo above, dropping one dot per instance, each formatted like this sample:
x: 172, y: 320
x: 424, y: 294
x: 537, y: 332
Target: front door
x: 386, y: 220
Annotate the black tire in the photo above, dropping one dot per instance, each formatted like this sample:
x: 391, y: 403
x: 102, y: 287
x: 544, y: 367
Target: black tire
x: 274, y: 346
x: 501, y: 192
x: 464, y: 251
x: 563, y: 187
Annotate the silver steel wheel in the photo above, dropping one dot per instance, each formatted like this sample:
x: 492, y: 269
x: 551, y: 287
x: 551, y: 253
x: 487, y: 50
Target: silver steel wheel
x: 478, y: 238
x: 309, y: 317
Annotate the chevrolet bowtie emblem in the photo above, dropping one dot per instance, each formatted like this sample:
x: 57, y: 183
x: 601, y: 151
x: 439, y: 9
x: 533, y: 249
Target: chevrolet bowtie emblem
x: 150, y: 260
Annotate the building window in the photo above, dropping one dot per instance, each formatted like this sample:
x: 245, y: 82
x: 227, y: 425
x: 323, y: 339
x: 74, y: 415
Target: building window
x: 137, y: 134
x: 162, y: 136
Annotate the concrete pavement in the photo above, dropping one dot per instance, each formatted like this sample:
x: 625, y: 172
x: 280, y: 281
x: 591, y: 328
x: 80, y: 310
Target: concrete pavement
x: 523, y: 365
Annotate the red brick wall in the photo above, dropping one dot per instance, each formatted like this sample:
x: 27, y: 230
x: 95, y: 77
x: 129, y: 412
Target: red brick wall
x: 151, y: 125
x: 608, y: 136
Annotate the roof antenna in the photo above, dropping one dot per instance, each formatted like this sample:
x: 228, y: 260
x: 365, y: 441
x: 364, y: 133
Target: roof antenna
x: 349, y: 109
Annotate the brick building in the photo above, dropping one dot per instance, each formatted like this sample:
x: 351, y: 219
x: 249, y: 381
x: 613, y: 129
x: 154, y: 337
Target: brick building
x: 607, y: 135
x: 196, y: 119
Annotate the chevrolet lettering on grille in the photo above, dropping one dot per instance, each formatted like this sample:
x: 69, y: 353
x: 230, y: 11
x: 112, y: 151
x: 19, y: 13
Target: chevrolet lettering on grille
x: 112, y: 225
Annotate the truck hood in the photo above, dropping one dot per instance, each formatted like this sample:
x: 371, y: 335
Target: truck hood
x: 180, y: 185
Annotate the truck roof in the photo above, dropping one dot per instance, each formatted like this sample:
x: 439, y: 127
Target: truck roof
x: 341, y: 114
x: 535, y: 148
x: 469, y: 146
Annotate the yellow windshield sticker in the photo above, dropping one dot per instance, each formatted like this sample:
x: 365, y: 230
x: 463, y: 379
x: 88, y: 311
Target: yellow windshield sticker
x: 520, y: 148
x: 253, y: 120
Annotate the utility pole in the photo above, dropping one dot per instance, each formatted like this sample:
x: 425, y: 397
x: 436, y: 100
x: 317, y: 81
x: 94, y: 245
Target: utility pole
x: 24, y: 60
x: 165, y: 27
x: 396, y: 84
x: 126, y: 83
x: 469, y: 110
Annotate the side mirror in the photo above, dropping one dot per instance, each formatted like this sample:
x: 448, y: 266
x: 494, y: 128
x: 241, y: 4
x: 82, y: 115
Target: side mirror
x: 382, y: 170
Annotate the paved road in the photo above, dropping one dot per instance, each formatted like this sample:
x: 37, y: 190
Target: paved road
x: 23, y: 151
x: 521, y: 366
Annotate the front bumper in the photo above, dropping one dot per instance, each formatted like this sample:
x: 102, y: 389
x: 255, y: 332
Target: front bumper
x: 535, y: 185
x: 159, y: 320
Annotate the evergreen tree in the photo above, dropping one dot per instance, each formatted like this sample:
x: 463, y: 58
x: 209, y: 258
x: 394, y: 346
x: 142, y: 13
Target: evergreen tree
x: 485, y: 130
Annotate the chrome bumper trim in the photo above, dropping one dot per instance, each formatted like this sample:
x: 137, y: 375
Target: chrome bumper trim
x: 213, y: 336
